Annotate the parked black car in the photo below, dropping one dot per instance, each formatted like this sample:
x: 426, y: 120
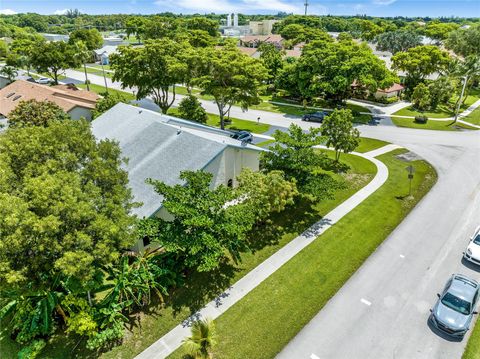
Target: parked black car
x: 242, y: 136
x: 315, y: 117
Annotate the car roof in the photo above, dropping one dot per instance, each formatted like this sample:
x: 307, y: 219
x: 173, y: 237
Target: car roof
x: 463, y: 287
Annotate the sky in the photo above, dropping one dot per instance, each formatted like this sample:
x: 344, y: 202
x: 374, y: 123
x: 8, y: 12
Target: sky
x: 432, y: 8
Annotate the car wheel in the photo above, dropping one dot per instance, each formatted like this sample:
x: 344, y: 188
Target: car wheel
x: 307, y: 119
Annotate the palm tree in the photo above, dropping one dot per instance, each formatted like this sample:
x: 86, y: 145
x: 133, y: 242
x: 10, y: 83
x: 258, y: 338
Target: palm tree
x: 9, y: 72
x: 203, y: 338
x: 83, y: 54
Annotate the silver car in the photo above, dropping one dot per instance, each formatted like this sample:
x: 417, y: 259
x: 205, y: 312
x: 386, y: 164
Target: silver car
x: 454, y: 310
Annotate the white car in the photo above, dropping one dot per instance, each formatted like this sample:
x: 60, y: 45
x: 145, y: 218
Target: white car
x: 472, y: 252
x: 44, y: 81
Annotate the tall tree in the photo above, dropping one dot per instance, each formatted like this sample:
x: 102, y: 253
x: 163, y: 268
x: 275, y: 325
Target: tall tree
x: 232, y: 77
x: 420, y: 61
x: 64, y: 204
x: 396, y: 41
x: 294, y: 154
x: 53, y: 58
x: 153, y: 69
x: 83, y: 54
x: 90, y: 37
x: 271, y: 58
x: 10, y: 72
x: 330, y: 68
x: 465, y: 42
x: 339, y: 132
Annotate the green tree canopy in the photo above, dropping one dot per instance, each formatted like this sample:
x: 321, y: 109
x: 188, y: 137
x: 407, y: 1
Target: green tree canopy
x: 154, y: 69
x: 232, y: 77
x: 465, y: 42
x: 396, y: 41
x: 90, y: 37
x: 439, y: 31
x: 294, y: 154
x: 64, y: 204
x: 330, y: 68
x: 421, y: 97
x: 271, y: 58
x: 53, y: 58
x: 339, y: 132
x: 204, y: 227
x: 420, y: 61
x: 35, y: 113
x: 191, y: 109
x: 107, y: 102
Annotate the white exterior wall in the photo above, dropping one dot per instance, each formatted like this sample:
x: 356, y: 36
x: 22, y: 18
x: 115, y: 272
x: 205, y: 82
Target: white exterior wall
x: 380, y: 94
x: 78, y: 112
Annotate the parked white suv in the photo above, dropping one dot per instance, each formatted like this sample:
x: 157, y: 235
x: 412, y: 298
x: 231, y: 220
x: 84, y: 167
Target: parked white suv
x: 472, y: 253
x: 44, y: 81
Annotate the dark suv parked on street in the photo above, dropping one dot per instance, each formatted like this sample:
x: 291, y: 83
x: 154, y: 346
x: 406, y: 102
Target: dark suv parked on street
x: 315, y: 117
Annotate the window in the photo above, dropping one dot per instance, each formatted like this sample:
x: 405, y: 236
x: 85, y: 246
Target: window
x: 146, y: 241
x: 230, y: 183
x: 10, y: 95
x: 16, y: 97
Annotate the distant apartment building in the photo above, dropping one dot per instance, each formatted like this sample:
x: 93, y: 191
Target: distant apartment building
x: 263, y: 27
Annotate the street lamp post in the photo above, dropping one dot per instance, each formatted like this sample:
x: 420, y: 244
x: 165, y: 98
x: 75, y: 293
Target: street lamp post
x: 465, y: 79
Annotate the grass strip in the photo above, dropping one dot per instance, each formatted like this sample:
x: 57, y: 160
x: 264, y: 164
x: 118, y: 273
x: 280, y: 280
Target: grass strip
x: 267, y: 318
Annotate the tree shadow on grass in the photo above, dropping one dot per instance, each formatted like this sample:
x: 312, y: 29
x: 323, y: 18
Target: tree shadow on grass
x: 201, y: 287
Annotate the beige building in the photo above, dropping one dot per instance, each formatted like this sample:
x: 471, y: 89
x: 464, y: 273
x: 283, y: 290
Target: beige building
x: 74, y: 101
x: 263, y: 27
x: 160, y: 147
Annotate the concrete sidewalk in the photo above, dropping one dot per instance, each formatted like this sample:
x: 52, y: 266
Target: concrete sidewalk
x: 173, y: 339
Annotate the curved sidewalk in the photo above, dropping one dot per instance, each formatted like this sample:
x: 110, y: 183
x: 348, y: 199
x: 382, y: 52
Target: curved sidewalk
x: 173, y: 339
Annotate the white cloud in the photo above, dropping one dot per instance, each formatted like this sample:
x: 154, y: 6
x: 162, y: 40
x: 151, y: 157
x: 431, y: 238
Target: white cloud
x: 60, y: 12
x: 383, y: 2
x: 242, y: 6
x: 7, y: 12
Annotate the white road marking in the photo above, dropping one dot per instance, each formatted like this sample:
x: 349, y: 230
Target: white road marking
x: 402, y: 256
x: 313, y: 356
x: 366, y: 302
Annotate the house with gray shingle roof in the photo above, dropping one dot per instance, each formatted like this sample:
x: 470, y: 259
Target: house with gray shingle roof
x: 158, y: 146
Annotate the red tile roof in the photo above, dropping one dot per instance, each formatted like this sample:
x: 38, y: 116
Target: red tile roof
x: 66, y: 97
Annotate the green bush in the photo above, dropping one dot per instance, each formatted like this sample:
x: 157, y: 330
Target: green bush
x: 421, y: 119
x: 191, y: 109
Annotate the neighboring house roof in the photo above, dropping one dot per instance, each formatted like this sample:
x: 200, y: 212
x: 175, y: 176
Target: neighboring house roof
x: 159, y: 147
x: 393, y: 88
x: 250, y: 51
x: 108, y: 50
x: 293, y: 53
x: 262, y: 38
x: 67, y: 97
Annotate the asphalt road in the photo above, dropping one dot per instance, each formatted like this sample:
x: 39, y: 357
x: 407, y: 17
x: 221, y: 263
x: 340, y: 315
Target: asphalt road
x: 382, y: 311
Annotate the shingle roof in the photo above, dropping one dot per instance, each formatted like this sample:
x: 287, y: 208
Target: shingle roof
x: 157, y: 149
x: 108, y: 49
x: 393, y: 88
x: 262, y: 38
x: 66, y: 98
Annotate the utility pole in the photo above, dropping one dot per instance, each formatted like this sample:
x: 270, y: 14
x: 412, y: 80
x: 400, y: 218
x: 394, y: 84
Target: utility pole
x: 465, y: 79
x: 306, y: 6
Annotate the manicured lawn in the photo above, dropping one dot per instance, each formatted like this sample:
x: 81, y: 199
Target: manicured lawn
x: 101, y: 89
x: 267, y: 318
x: 266, y: 143
x: 474, y: 117
x: 442, y: 111
x: 369, y: 144
x: 430, y: 125
x: 472, y: 351
x: 200, y: 288
x: 299, y: 111
x: 97, y: 72
x: 236, y: 124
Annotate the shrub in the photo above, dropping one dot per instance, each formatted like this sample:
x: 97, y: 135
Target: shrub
x: 421, y: 119
x: 191, y: 109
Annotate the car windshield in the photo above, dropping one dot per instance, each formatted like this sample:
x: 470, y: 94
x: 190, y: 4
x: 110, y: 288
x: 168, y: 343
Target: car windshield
x: 476, y: 240
x: 455, y: 303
